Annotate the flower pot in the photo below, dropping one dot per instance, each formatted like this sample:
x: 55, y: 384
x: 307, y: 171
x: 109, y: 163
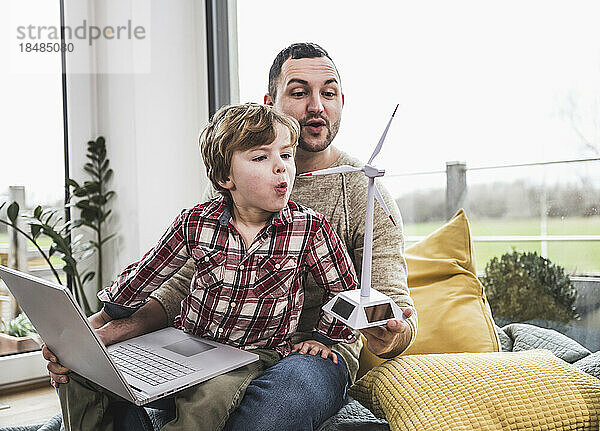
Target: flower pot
x: 10, y: 344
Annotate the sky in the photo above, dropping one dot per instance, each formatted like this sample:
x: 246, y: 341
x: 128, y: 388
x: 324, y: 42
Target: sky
x: 477, y: 81
x: 485, y: 82
x: 31, y: 121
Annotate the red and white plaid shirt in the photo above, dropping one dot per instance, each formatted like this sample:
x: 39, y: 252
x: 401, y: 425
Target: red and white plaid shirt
x: 244, y: 298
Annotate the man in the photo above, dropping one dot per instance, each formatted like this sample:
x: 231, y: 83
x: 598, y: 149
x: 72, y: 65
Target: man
x: 302, y: 391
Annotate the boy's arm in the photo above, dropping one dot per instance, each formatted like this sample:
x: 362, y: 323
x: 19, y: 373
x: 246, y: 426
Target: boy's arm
x: 176, y: 288
x: 332, y: 269
x: 133, y: 286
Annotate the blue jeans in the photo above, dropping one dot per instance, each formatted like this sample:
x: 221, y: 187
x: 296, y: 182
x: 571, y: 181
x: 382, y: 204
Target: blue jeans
x: 300, y: 392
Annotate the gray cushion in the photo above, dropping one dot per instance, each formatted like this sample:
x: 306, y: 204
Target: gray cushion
x: 590, y: 364
x: 528, y: 337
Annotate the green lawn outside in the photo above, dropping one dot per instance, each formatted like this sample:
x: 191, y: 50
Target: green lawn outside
x: 582, y: 257
x: 576, y: 257
x: 44, y: 241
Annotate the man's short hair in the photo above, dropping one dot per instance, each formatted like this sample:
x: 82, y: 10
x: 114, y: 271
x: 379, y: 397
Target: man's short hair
x: 239, y: 128
x: 294, y: 51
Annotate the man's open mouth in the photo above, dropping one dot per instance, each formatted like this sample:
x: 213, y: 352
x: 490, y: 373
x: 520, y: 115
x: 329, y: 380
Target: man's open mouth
x: 315, y: 126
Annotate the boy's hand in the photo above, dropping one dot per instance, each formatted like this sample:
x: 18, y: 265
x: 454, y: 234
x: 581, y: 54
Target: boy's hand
x: 314, y: 348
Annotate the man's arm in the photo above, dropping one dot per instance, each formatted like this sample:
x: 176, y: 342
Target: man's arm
x: 159, y: 312
x: 150, y: 317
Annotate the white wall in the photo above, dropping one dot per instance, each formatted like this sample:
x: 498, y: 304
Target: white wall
x: 151, y: 122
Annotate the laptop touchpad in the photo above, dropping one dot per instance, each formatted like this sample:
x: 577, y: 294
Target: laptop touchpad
x: 189, y: 347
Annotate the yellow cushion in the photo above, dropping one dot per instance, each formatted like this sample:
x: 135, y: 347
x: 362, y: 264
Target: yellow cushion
x: 531, y: 390
x: 454, y: 315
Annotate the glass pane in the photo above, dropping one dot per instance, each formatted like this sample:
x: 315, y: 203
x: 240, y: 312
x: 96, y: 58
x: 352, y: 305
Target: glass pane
x: 468, y: 91
x: 32, y: 153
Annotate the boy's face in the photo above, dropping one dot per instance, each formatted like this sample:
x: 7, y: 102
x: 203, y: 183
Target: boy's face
x: 261, y: 178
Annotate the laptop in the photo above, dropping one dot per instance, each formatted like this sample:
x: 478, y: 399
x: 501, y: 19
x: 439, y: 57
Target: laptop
x: 141, y: 369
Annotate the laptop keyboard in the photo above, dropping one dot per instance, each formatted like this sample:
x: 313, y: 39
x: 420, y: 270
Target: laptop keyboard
x: 143, y: 364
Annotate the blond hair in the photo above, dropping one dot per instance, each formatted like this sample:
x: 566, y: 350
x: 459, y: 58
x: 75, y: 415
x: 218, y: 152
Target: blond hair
x: 240, y: 128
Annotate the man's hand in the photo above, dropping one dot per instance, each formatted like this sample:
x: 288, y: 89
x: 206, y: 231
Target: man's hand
x: 390, y: 339
x: 151, y: 317
x: 314, y: 348
x: 58, y: 373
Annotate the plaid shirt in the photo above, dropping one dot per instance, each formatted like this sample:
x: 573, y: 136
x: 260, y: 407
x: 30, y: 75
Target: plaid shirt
x: 245, y: 298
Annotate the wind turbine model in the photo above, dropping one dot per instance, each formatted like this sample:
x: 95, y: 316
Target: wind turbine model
x: 365, y: 307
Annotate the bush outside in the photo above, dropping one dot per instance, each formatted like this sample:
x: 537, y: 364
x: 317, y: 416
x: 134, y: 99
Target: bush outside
x: 523, y: 286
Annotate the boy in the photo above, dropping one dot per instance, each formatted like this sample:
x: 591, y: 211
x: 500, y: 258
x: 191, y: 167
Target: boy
x: 252, y: 249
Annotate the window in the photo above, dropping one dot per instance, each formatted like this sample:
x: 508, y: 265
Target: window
x: 32, y: 145
x: 504, y: 87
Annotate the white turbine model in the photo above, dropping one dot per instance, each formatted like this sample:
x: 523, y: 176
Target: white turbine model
x: 365, y: 307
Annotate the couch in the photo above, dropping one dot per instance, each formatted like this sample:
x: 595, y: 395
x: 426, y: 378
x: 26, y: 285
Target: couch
x: 464, y: 372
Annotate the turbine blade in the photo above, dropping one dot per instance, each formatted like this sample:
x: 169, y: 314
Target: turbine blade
x: 380, y: 143
x: 335, y: 170
x: 383, y: 205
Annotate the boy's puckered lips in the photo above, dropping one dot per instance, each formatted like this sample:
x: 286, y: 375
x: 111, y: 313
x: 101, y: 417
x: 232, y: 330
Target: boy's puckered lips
x: 282, y: 187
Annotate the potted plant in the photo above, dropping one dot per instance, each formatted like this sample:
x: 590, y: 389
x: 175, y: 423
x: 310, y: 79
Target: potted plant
x: 91, y: 199
x: 18, y: 335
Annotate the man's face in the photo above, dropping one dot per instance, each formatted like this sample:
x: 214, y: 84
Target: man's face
x: 261, y: 178
x: 309, y: 90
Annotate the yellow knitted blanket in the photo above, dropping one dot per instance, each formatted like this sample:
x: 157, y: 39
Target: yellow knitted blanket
x: 531, y: 390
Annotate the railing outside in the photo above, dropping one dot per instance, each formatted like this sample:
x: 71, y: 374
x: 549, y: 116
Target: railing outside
x: 457, y: 196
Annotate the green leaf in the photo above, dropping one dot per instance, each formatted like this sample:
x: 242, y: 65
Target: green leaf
x: 37, y: 212
x: 109, y: 237
x: 68, y: 269
x: 89, y: 214
x: 13, y: 212
x: 90, y: 171
x: 109, y: 195
x: 72, y: 183
x: 92, y: 186
x: 80, y: 192
x: 87, y: 254
x: 108, y: 175
x: 105, y: 216
x: 98, y: 200
x: 92, y: 157
x: 35, y: 230
x: 84, y: 203
x: 76, y: 223
x: 77, y: 238
x: 87, y: 277
x: 48, y: 214
x: 2, y: 206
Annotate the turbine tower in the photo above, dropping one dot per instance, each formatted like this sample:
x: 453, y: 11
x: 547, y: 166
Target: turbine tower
x: 371, y: 307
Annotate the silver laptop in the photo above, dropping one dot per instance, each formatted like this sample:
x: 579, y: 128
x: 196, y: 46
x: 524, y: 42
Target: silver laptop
x: 141, y: 369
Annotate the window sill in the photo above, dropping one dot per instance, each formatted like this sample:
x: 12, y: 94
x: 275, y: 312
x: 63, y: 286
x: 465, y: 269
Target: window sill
x: 22, y: 369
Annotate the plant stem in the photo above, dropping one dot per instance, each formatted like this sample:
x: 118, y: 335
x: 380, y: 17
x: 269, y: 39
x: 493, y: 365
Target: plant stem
x: 86, y: 305
x: 99, y: 272
x: 46, y: 258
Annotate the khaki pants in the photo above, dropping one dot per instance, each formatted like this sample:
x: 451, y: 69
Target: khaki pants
x: 206, y: 406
